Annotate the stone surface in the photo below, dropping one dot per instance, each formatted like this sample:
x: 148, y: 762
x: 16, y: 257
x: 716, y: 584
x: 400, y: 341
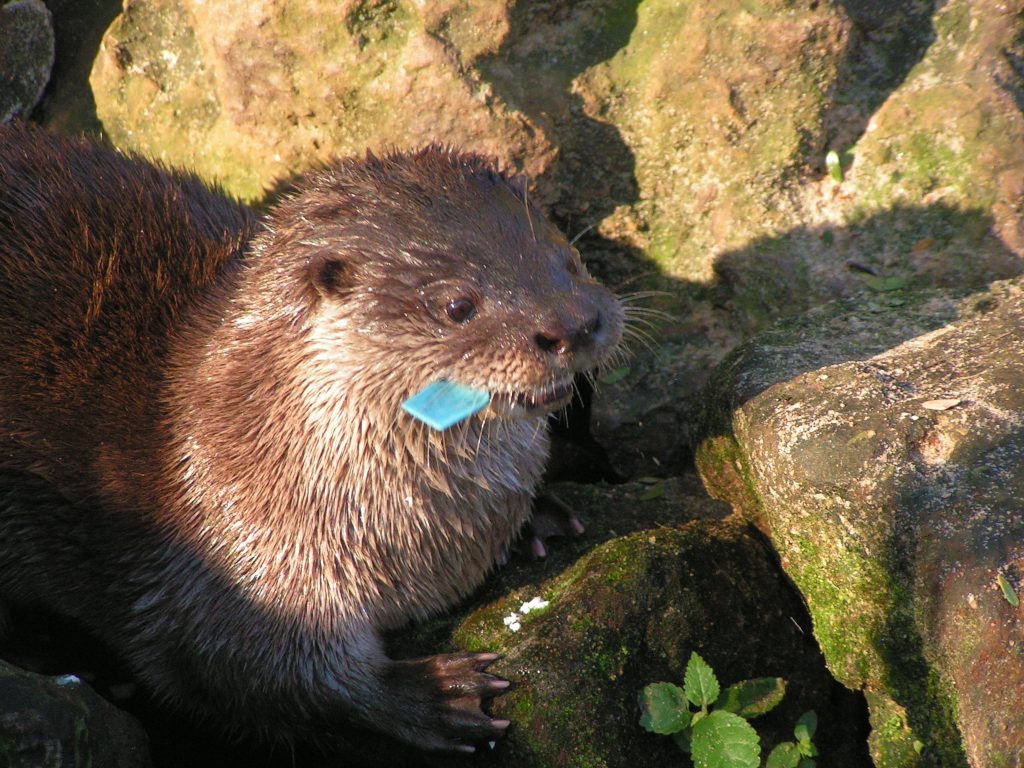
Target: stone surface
x: 924, y: 105
x: 248, y: 92
x: 26, y: 56
x: 892, y: 486
x: 59, y: 722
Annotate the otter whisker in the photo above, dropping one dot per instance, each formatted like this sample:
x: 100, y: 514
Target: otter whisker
x: 526, y: 205
x: 582, y: 233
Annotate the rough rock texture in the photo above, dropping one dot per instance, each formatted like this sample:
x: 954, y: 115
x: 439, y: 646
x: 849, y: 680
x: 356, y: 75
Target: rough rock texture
x: 892, y: 487
x: 59, y: 722
x: 923, y: 106
x: 247, y: 92
x: 26, y: 56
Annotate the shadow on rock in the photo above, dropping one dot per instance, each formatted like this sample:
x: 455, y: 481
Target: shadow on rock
x: 547, y: 47
x: 799, y: 293
x: 68, y: 105
x: 886, y: 42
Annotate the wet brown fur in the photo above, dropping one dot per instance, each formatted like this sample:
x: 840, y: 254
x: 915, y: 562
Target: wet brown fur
x: 203, y: 456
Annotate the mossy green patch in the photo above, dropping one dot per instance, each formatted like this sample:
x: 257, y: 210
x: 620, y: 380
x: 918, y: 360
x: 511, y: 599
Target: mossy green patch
x: 715, y: 128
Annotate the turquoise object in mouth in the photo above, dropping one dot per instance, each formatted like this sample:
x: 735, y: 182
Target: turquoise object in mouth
x: 444, y: 403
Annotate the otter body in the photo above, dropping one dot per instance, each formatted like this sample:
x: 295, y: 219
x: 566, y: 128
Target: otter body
x: 203, y: 455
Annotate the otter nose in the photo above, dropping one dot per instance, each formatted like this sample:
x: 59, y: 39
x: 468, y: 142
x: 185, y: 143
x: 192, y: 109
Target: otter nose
x: 560, y: 337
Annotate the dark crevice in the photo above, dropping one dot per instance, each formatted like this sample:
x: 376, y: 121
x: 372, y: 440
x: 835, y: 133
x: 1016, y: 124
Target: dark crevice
x: 78, y: 27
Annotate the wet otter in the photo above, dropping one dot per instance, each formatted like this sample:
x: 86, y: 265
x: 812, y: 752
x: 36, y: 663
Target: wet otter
x: 203, y: 457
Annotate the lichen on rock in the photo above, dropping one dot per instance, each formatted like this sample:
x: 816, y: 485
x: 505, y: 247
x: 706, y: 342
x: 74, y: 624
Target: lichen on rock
x: 891, y: 486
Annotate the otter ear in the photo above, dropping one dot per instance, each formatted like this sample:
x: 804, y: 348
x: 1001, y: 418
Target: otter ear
x: 331, y: 275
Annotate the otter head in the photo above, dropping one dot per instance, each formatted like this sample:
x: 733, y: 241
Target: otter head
x: 435, y: 266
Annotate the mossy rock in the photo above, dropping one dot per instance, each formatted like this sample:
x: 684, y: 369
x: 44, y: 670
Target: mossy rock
x: 60, y: 722
x: 629, y: 613
x: 891, y: 486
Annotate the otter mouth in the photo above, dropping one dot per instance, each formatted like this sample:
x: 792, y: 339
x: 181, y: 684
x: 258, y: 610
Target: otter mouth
x: 532, y: 402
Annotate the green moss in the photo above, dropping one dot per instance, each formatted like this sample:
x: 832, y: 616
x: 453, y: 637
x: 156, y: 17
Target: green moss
x: 657, y: 24
x: 839, y: 587
x: 726, y: 474
x: 891, y: 740
x: 953, y: 22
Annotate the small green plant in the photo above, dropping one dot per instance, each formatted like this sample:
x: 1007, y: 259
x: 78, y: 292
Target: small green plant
x: 797, y: 754
x: 716, y: 734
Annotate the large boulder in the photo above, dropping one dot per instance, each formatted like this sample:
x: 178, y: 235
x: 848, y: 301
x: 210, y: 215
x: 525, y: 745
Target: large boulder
x: 892, y: 485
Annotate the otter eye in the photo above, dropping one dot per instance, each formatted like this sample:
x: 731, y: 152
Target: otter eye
x: 460, y: 310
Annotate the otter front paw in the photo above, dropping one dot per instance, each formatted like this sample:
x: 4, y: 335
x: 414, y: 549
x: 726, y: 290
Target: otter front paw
x: 445, y: 694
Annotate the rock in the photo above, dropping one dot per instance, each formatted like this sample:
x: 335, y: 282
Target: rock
x: 630, y: 613
x: 247, y: 93
x: 892, y: 486
x: 924, y: 106
x: 59, y: 722
x: 26, y: 56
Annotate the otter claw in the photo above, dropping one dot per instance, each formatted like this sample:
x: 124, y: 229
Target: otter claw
x: 448, y: 692
x: 551, y: 517
x: 537, y: 548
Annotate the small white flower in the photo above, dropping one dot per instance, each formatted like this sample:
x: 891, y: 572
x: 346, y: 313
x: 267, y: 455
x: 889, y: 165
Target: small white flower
x: 534, y: 605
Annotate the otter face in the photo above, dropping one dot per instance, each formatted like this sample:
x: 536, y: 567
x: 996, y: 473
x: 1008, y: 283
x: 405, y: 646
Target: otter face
x: 440, y: 264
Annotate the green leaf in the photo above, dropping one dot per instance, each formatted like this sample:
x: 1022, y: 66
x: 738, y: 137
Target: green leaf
x: 835, y: 168
x: 806, y: 726
x: 884, y: 284
x: 615, y: 375
x: 664, y: 708
x: 807, y: 748
x: 785, y: 755
x: 700, y: 683
x: 725, y: 740
x: 750, y: 698
x: 1008, y: 591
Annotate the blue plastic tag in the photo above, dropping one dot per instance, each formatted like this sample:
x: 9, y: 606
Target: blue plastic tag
x: 444, y: 403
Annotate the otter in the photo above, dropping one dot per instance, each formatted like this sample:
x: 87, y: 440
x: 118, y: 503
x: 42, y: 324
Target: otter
x: 203, y: 455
